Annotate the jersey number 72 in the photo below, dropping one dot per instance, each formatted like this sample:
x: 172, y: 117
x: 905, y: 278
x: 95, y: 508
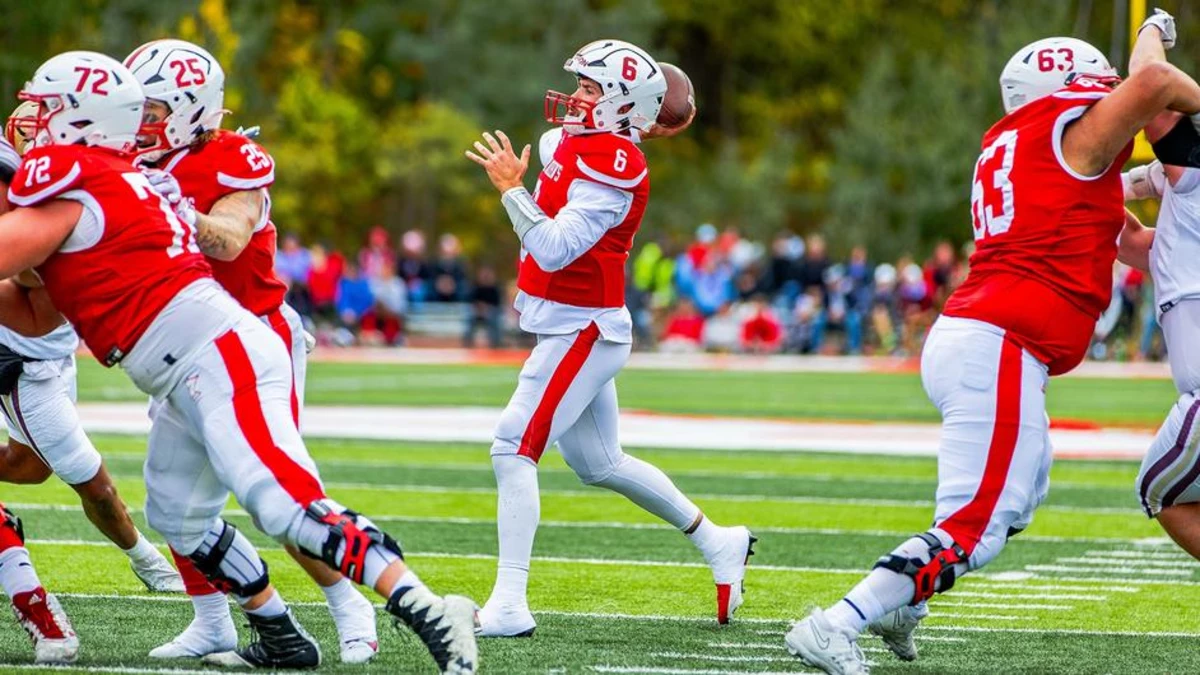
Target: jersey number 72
x: 992, y: 206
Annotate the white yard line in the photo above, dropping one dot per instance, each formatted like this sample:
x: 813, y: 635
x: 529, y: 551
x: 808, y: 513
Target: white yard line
x: 655, y: 670
x: 986, y: 617
x: 999, y: 605
x: 1133, y: 562
x: 1025, y: 596
x: 725, y: 659
x: 1131, y: 571
x: 467, y: 424
x: 1141, y: 553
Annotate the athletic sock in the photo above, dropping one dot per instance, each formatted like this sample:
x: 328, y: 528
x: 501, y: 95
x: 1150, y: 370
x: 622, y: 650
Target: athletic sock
x: 17, y: 574
x: 518, y: 510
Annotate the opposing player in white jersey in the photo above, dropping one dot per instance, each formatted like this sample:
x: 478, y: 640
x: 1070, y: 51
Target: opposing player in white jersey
x: 119, y: 264
x: 221, y: 180
x: 1168, y: 485
x: 576, y: 232
x: 45, y: 436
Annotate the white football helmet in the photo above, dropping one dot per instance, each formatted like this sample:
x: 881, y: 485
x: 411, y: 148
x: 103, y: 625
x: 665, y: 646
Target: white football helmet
x: 632, y: 83
x: 80, y: 97
x: 189, y: 81
x: 1043, y: 67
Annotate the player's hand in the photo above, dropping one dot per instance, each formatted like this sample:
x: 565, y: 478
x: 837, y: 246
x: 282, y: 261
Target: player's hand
x: 659, y: 131
x: 164, y: 184
x: 249, y: 132
x: 1165, y: 23
x: 186, y: 210
x: 503, y: 167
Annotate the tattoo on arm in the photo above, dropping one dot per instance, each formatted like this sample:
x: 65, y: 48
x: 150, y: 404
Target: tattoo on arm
x: 226, y: 229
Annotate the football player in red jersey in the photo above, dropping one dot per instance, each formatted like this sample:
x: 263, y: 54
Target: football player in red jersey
x: 218, y: 180
x: 1047, y: 204
x: 122, y: 267
x: 576, y: 232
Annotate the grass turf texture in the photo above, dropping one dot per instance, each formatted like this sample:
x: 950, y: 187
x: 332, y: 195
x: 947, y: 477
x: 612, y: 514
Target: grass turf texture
x: 823, y: 520
x: 844, y: 396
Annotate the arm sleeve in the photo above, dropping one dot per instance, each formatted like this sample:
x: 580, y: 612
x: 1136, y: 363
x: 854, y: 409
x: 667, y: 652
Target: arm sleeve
x: 1180, y: 146
x: 592, y: 209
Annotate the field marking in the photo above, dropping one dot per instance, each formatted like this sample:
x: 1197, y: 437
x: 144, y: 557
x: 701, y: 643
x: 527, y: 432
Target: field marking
x: 1069, y: 569
x: 1022, y: 583
x: 747, y: 645
x: 1139, y: 553
x: 868, y: 636
x: 725, y: 659
x: 1000, y: 605
x: 104, y: 669
x: 986, y: 617
x: 1026, y: 596
x: 454, y: 520
x: 1063, y: 631
x: 1136, y: 562
x: 689, y: 670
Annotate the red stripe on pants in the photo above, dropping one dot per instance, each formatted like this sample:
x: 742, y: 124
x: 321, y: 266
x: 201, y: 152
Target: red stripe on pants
x: 533, y: 443
x: 968, y: 524
x: 283, y: 329
x: 301, y: 485
x: 194, y: 581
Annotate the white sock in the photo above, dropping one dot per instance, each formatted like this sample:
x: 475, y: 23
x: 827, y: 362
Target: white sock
x: 211, y: 609
x: 16, y: 571
x: 142, y: 550
x: 408, y: 580
x: 883, y: 590
x: 706, y: 537
x: 274, y: 606
x: 340, y: 593
x: 518, y: 510
x: 648, y: 487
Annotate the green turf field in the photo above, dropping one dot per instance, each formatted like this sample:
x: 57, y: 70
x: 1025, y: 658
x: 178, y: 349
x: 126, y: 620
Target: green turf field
x: 1090, y: 588
x: 847, y: 396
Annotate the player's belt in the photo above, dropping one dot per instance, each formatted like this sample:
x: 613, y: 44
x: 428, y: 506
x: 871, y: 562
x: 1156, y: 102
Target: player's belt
x: 114, y: 356
x: 1162, y: 309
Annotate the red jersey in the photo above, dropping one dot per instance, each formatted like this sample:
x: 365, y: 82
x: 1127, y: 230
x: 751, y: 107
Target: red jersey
x: 596, y: 278
x: 1045, y: 236
x: 125, y: 260
x: 226, y: 164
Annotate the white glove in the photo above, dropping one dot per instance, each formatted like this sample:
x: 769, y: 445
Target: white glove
x: 310, y: 342
x: 164, y: 184
x: 1165, y: 23
x: 252, y: 132
x: 186, y: 210
x: 1144, y: 182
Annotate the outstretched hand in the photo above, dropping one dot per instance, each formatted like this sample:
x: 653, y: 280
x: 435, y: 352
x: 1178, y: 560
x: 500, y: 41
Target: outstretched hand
x: 659, y: 131
x: 503, y: 167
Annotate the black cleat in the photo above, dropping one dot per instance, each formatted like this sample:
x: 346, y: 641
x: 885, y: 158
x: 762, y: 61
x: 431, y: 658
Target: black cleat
x: 446, y: 626
x: 281, y: 643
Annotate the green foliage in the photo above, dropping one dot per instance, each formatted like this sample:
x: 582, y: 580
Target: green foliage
x: 859, y: 117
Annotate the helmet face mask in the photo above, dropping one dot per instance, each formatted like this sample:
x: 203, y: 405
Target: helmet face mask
x: 189, y: 83
x: 80, y: 98
x: 631, y: 90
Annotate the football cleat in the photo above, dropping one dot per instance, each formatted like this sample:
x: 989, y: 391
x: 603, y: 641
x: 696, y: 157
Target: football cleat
x: 729, y: 570
x: 355, y: 621
x: 445, y: 625
x: 282, y: 643
x: 817, y: 643
x: 157, y: 574
x: 199, y: 639
x: 897, y: 628
x: 54, y: 640
x: 499, y: 620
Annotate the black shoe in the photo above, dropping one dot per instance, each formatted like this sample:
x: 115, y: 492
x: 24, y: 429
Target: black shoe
x: 446, y: 626
x: 281, y: 643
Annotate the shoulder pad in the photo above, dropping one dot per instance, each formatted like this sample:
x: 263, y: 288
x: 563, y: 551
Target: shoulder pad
x: 548, y: 143
x: 46, y: 173
x: 610, y: 160
x: 241, y: 164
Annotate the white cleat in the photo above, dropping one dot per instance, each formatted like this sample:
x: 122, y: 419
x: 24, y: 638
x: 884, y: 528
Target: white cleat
x: 499, y: 620
x: 54, y: 640
x: 199, y: 640
x: 357, y: 634
x: 817, y: 643
x: 157, y: 574
x: 729, y: 570
x: 897, y: 628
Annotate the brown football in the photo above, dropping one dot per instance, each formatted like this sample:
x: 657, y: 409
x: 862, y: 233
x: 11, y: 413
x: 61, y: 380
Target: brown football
x: 680, y: 98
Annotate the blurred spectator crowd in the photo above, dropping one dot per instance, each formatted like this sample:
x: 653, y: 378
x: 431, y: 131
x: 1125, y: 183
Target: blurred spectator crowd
x: 719, y: 292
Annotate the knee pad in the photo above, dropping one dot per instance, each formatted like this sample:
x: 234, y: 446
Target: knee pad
x: 932, y: 572
x: 357, y: 533
x: 224, y: 575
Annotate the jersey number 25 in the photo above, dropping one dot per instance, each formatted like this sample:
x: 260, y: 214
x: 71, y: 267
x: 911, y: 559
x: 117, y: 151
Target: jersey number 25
x: 992, y: 190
